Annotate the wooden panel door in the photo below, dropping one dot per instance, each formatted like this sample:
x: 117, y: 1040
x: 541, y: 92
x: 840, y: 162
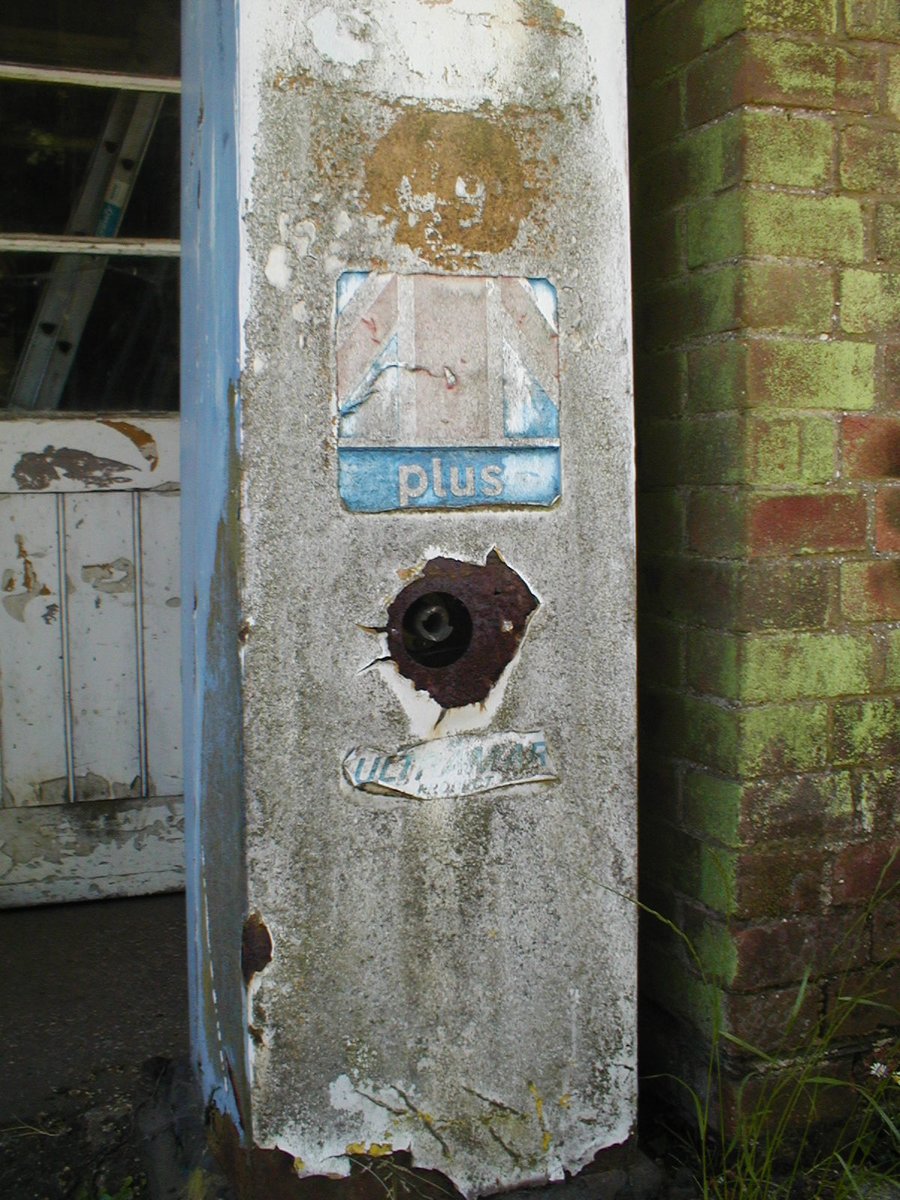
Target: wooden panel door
x: 90, y: 691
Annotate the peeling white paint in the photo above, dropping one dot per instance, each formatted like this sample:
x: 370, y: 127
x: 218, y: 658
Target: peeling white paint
x: 339, y: 39
x: 278, y: 267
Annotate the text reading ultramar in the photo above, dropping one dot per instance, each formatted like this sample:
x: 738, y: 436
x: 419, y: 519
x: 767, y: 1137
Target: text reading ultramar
x: 462, y: 765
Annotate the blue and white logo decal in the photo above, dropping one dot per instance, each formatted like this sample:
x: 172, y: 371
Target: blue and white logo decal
x: 447, y: 392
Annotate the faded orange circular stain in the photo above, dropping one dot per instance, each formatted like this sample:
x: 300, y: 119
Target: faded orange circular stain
x: 454, y: 183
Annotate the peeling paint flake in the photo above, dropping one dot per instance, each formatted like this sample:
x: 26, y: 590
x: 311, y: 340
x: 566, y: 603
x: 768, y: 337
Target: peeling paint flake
x: 36, y: 472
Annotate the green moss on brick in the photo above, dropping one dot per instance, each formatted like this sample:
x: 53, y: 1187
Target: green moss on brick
x: 878, y: 792
x: 712, y: 806
x: 811, y: 374
x: 717, y: 879
x: 887, y: 233
x: 711, y: 450
x: 791, y: 16
x: 778, y: 70
x: 716, y: 375
x: 790, y: 450
x: 866, y: 731
x: 715, y: 230
x: 870, y: 301
x: 780, y: 738
x: 875, y: 19
x: 870, y: 159
x: 784, y: 666
x: 791, y: 151
x: 803, y: 226
x: 714, y: 663
x: 759, y: 224
x: 716, y: 20
x: 713, y: 156
x: 893, y: 85
x: 892, y: 660
x: 717, y: 953
x: 801, y: 666
x: 711, y: 734
x: 666, y: 977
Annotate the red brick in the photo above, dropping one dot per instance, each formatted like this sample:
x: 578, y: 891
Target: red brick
x: 887, y: 519
x: 775, y: 1020
x: 781, y: 952
x: 870, y: 159
x: 870, y: 447
x: 765, y: 69
x: 787, y: 1102
x: 792, y: 594
x: 886, y: 930
x: 776, y: 883
x: 859, y: 1002
x: 808, y: 524
x: 813, y: 808
x: 862, y: 871
x: 878, y: 801
x: 871, y: 591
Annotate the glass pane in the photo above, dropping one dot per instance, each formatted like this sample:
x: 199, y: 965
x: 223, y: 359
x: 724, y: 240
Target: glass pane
x: 127, y: 357
x: 48, y: 135
x: 134, y: 36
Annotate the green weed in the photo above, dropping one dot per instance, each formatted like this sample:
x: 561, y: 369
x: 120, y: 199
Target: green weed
x: 768, y: 1137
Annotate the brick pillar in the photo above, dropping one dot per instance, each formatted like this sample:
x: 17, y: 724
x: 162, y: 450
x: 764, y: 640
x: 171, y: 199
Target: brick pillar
x: 766, y: 207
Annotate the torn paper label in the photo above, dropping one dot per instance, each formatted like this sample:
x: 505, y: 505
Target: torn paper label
x: 454, y: 766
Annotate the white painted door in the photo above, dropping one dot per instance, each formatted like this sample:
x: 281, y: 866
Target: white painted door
x: 90, y: 694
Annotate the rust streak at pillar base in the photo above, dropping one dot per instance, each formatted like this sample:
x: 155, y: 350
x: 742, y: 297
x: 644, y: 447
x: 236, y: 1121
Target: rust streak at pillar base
x: 258, y: 1174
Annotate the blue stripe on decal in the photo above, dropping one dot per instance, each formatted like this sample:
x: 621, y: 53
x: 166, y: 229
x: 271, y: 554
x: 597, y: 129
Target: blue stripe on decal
x: 385, y: 479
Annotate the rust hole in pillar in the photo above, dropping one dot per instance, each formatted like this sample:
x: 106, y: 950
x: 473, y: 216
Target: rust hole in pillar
x: 455, y: 629
x: 256, y: 946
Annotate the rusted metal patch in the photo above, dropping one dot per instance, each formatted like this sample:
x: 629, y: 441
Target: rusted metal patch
x: 455, y: 629
x: 256, y: 946
x: 463, y: 765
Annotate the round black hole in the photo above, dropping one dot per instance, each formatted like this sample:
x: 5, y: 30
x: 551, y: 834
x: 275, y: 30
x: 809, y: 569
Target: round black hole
x: 437, y: 629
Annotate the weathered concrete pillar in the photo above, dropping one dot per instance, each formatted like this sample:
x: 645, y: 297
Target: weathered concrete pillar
x: 409, y: 543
